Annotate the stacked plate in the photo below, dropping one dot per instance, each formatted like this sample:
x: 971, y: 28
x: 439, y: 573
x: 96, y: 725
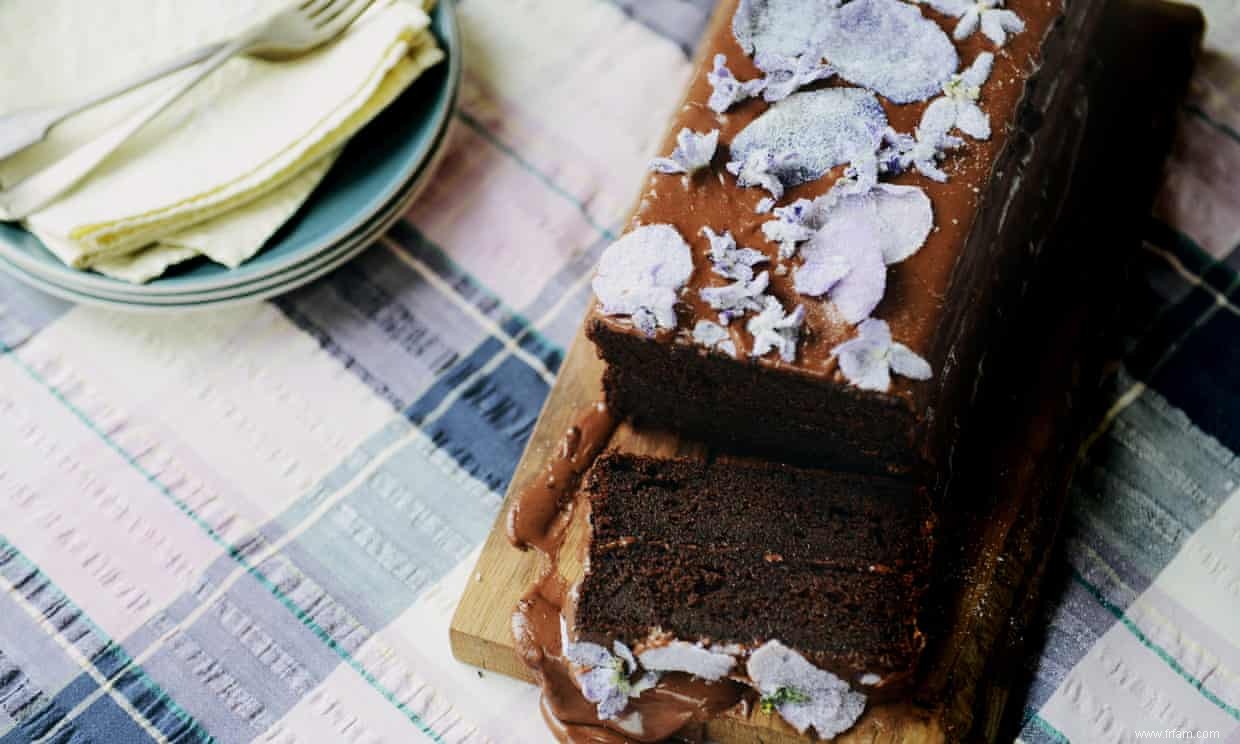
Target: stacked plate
x: 380, y: 173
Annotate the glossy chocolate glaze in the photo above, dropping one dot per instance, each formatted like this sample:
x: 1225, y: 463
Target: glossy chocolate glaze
x: 917, y: 289
x: 539, y: 514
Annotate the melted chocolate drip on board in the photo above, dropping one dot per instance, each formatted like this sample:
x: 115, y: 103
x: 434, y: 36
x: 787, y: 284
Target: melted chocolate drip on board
x: 539, y: 514
x: 678, y: 704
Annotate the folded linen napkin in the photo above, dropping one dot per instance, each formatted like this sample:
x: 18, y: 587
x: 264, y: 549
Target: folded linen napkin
x: 220, y: 170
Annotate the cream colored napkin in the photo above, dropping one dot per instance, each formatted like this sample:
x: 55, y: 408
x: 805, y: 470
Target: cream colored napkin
x: 226, y: 165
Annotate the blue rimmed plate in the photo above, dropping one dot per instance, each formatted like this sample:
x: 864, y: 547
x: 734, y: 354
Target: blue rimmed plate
x: 259, y: 289
x: 375, y: 168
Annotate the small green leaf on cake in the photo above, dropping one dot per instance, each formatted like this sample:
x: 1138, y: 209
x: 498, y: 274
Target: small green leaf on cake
x: 782, y: 696
x: 804, y: 695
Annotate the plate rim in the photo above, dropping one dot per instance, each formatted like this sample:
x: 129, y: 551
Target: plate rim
x: 77, y: 280
x: 346, y: 252
x: 375, y: 226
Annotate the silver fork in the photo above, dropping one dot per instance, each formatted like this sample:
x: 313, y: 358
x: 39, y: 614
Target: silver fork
x: 293, y: 31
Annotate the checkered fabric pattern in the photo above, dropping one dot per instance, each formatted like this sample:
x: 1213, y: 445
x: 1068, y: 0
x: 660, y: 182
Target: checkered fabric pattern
x: 255, y: 525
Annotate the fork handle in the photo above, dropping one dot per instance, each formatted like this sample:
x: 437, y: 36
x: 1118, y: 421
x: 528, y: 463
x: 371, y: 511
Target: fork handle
x: 21, y: 129
x: 44, y: 186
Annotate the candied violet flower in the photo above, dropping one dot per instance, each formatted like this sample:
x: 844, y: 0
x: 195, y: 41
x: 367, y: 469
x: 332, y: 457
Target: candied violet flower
x: 728, y: 260
x: 824, y: 127
x: 781, y: 26
x: 714, y: 336
x: 803, y: 694
x: 858, y: 235
x: 692, y: 153
x: 641, y: 274
x: 869, y: 359
x: 737, y: 298
x: 606, y: 677
x: 902, y: 215
x: 773, y: 329
x: 692, y: 658
x: 785, y: 75
x: 860, y: 177
x: 889, y: 47
x: 844, y: 260
x: 764, y: 169
x: 727, y: 90
x: 996, y: 22
x: 957, y: 107
x: 923, y: 152
x: 795, y: 224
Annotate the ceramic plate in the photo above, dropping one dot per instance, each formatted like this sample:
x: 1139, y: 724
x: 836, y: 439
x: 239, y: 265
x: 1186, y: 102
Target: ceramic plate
x: 255, y: 291
x: 372, y: 171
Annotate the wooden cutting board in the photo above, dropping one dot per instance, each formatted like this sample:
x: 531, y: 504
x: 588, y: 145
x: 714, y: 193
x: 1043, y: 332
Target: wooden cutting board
x: 992, y: 554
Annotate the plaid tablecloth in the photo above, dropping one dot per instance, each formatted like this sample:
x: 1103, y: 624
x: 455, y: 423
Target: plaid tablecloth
x: 254, y: 524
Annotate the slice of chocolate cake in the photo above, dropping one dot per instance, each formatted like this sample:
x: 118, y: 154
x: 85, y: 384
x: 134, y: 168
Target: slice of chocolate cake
x: 712, y: 568
x: 845, y: 208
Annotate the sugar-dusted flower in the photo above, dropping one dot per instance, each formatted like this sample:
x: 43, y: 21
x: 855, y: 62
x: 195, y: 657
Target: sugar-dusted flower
x: 605, y: 677
x: 714, y: 336
x: 736, y: 299
x: 793, y: 224
x: 995, y: 21
x: 804, y: 695
x: 727, y: 91
x: 844, y: 261
x: 902, y: 216
x: 921, y: 152
x: 728, y: 260
x: 785, y: 75
x: 869, y: 359
x: 764, y: 169
x: 691, y: 658
x: 773, y: 329
x: 957, y: 107
x: 692, y: 153
x: 641, y: 274
x: 825, y: 127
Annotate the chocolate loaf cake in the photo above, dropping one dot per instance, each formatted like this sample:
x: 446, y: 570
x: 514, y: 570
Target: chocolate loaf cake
x: 693, y: 563
x: 850, y: 195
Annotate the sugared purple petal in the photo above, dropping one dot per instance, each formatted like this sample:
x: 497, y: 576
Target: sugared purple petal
x: 692, y: 153
x: 737, y: 298
x: 726, y: 90
x: 714, y: 336
x: 889, y: 47
x: 825, y: 128
x: 868, y: 360
x: 977, y: 73
x: 804, y: 695
x: 971, y: 120
x: 939, y: 117
x: 728, y: 260
x: 786, y: 75
x: 908, y: 364
x: 786, y: 27
x: 640, y: 275
x: 775, y: 330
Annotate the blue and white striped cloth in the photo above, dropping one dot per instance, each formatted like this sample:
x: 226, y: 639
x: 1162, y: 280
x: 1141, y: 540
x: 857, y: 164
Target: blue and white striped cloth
x: 256, y: 525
